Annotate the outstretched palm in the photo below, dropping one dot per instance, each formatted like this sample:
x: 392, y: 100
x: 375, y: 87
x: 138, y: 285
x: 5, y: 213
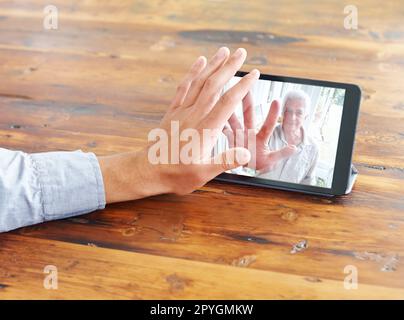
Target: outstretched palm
x: 263, y: 159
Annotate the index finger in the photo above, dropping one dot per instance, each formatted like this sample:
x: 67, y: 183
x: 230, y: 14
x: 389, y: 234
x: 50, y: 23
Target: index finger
x: 270, y: 121
x: 248, y: 112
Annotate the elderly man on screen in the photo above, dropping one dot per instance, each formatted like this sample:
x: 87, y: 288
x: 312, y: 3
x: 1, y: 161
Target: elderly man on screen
x: 300, y: 166
x: 284, y: 152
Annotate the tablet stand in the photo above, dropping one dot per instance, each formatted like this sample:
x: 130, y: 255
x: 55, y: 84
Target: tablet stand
x: 352, y: 179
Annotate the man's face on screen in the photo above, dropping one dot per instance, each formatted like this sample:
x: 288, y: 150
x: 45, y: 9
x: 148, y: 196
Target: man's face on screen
x: 295, y: 112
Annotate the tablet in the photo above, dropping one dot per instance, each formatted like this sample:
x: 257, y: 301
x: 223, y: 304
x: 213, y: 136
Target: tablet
x: 316, y: 121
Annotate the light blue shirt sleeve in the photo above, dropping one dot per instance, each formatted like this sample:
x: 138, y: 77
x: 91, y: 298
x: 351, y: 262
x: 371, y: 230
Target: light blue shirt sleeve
x: 47, y: 186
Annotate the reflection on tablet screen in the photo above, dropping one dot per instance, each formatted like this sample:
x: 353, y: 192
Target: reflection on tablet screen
x: 297, y: 145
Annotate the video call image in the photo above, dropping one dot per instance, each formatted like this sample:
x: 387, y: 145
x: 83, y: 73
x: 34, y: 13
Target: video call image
x: 307, y: 129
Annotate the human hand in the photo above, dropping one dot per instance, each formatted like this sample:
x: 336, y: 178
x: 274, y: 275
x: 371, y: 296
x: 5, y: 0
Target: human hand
x: 199, y: 106
x: 238, y: 135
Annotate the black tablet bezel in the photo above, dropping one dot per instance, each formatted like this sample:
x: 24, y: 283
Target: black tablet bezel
x: 346, y: 139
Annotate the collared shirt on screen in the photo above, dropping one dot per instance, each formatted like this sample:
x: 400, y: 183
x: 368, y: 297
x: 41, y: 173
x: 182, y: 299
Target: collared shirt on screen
x: 300, y: 167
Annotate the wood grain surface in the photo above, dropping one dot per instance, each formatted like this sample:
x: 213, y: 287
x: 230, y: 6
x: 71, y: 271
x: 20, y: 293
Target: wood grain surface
x: 106, y: 76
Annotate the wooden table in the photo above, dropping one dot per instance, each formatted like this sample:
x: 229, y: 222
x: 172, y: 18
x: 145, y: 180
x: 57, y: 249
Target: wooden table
x: 105, y: 77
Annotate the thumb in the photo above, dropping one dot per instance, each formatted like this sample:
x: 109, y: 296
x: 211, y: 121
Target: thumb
x: 230, y: 159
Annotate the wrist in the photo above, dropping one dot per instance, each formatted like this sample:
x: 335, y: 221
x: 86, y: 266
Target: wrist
x: 149, y: 178
x: 130, y: 176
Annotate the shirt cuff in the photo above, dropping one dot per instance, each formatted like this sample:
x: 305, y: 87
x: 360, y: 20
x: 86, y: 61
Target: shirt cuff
x: 70, y: 182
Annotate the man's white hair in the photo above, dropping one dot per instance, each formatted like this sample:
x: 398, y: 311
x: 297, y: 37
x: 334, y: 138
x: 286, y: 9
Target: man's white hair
x: 296, y: 95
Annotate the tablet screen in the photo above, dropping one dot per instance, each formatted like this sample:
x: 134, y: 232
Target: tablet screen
x: 296, y: 142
